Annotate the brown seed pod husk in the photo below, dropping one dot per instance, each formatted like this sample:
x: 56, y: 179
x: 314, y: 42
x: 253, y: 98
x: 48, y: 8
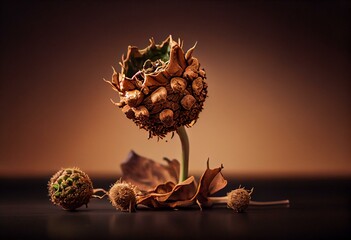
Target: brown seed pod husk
x: 122, y: 196
x: 239, y: 199
x: 70, y: 188
x: 159, y: 77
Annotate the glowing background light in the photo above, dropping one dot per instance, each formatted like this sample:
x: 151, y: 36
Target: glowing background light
x: 278, y: 75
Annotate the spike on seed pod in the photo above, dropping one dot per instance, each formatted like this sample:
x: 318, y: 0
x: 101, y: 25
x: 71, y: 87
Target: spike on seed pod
x: 122, y: 196
x: 158, y: 77
x: 70, y: 188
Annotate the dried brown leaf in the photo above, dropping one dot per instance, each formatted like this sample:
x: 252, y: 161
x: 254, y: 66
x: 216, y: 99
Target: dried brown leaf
x: 210, y: 182
x: 170, y: 195
x: 146, y: 174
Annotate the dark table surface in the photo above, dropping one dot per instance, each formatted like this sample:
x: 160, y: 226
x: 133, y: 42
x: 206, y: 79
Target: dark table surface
x: 319, y: 209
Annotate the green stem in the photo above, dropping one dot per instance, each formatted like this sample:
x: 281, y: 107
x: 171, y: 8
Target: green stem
x: 184, y: 164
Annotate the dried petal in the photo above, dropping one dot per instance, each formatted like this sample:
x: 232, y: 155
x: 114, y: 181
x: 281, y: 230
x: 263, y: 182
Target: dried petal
x: 191, y: 72
x: 186, y: 193
x: 189, y: 53
x: 169, y: 195
x: 127, y: 85
x: 177, y: 60
x: 211, y: 182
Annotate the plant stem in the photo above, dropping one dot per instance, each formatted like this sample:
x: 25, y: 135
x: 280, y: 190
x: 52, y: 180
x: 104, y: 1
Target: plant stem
x: 96, y: 190
x: 184, y: 163
x: 280, y: 202
x: 224, y: 199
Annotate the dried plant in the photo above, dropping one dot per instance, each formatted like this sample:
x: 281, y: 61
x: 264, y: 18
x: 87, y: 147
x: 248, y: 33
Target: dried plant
x: 161, y: 88
x: 122, y: 196
x: 71, y: 188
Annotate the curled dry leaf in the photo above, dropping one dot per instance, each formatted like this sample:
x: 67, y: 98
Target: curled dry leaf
x: 165, y: 193
x: 170, y: 195
x: 146, y: 174
x: 211, y: 182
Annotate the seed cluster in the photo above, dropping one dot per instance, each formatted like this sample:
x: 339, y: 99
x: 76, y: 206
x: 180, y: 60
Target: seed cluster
x: 161, y: 88
x: 70, y: 188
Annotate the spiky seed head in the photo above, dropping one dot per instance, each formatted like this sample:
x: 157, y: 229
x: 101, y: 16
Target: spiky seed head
x: 239, y: 199
x: 122, y: 196
x: 160, y: 87
x: 70, y: 188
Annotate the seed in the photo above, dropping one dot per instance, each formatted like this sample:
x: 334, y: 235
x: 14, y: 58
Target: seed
x: 188, y: 102
x: 159, y: 95
x: 166, y: 116
x: 134, y: 98
x: 197, y: 86
x: 178, y: 84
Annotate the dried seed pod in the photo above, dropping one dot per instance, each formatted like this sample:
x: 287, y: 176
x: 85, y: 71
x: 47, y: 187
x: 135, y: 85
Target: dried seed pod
x: 160, y: 77
x: 70, y: 188
x: 239, y: 199
x: 122, y: 196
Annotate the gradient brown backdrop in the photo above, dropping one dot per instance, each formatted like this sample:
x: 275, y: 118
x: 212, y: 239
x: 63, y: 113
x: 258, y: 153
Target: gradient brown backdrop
x: 278, y: 75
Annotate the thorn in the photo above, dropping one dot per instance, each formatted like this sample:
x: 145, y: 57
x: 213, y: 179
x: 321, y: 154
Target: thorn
x: 195, y: 44
x: 113, y: 102
x: 152, y: 41
x: 114, y: 70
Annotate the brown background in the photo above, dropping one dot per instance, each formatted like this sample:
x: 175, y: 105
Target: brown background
x: 278, y: 75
